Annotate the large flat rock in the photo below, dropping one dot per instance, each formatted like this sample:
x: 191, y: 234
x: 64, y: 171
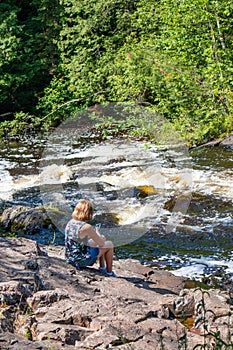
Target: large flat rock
x: 47, y: 304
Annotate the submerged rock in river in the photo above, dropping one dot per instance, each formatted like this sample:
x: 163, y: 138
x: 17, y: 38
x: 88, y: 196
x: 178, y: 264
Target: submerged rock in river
x: 47, y: 304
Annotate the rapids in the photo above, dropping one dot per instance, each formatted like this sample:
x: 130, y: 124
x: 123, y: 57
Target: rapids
x: 170, y: 208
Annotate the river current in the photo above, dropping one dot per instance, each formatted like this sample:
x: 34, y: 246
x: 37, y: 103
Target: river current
x: 169, y: 208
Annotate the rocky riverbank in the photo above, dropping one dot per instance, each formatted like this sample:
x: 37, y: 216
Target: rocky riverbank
x: 47, y: 304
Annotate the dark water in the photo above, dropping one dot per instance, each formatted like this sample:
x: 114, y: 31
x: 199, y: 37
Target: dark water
x: 199, y: 245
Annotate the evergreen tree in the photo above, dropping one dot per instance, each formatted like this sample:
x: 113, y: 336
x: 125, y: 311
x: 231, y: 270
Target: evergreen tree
x: 28, y: 35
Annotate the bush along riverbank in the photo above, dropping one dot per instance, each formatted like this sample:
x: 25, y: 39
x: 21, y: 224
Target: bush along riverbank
x: 136, y: 126
x: 96, y: 52
x: 47, y: 304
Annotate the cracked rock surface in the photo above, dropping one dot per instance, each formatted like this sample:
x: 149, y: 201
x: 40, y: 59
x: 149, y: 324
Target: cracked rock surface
x: 47, y: 304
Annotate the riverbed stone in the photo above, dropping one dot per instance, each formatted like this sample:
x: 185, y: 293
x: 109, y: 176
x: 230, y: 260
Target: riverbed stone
x: 227, y: 141
x: 47, y: 304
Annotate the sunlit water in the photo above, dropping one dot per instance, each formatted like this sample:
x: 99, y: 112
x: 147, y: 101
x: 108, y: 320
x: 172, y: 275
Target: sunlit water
x: 168, y: 208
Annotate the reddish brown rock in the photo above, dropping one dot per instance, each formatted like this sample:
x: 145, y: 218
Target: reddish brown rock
x: 47, y: 304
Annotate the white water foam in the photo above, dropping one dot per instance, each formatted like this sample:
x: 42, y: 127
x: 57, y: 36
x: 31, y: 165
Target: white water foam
x: 197, y: 267
x: 6, y: 185
x: 52, y: 174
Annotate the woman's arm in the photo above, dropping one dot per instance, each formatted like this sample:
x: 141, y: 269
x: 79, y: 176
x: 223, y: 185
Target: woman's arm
x: 87, y: 230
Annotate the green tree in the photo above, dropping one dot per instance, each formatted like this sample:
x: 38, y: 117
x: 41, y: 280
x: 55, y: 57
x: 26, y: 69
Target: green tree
x: 28, y: 36
x: 179, y: 59
x: 174, y: 56
x: 91, y: 33
x: 9, y: 46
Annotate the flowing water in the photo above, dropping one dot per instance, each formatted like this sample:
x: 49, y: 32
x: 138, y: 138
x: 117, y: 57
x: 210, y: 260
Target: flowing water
x: 166, y: 207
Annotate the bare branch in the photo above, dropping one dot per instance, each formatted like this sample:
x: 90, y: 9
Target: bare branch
x: 71, y: 101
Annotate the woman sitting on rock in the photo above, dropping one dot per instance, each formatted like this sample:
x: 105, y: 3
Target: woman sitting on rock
x: 83, y: 244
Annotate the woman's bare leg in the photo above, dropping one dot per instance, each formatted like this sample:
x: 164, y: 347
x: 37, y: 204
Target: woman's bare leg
x: 101, y: 261
x: 106, y: 256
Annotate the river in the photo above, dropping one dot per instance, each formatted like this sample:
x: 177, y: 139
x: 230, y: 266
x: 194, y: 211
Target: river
x: 169, y: 208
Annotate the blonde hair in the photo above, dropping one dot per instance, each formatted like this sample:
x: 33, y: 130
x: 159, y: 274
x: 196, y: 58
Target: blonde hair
x: 83, y: 211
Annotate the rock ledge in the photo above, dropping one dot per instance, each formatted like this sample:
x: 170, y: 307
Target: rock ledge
x: 46, y: 304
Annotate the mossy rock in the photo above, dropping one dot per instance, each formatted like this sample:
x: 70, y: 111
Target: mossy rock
x: 22, y: 219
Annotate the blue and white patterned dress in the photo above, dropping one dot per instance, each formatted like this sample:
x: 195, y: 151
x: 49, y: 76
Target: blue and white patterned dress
x: 77, y: 251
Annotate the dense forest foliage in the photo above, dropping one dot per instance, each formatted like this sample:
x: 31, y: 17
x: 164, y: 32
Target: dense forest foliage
x: 175, y: 56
